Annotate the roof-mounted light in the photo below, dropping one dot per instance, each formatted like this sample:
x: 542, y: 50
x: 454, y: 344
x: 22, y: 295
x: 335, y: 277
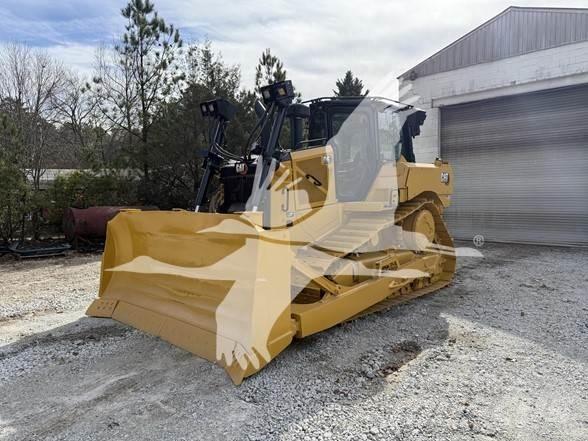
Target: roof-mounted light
x: 218, y: 108
x: 281, y: 91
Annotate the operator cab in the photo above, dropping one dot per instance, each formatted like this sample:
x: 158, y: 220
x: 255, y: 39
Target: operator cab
x: 364, y: 133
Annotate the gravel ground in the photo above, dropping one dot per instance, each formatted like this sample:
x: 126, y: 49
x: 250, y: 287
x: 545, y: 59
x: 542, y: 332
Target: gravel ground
x: 56, y: 285
x: 501, y: 354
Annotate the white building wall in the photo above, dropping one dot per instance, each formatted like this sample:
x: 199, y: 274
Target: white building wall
x: 557, y: 67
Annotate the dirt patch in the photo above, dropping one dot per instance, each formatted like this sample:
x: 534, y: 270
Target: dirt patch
x: 389, y: 359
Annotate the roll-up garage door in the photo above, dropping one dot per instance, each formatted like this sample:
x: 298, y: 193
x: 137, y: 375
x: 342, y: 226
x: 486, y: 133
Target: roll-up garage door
x: 521, y: 167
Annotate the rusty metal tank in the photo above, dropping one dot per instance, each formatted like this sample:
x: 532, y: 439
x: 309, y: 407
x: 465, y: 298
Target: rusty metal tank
x: 90, y: 223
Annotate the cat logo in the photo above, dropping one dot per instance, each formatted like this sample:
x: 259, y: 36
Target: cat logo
x: 241, y: 168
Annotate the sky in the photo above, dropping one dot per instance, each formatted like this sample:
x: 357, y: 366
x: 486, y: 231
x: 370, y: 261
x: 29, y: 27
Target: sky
x: 318, y: 40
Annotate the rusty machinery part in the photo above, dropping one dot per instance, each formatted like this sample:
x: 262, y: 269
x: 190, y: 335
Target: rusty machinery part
x: 90, y: 223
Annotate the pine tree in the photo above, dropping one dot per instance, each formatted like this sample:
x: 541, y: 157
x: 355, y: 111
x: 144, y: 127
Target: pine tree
x: 349, y: 86
x: 134, y: 88
x: 270, y: 70
x: 207, y: 67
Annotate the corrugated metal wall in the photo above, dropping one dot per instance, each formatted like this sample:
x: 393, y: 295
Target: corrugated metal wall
x: 521, y: 167
x: 516, y: 31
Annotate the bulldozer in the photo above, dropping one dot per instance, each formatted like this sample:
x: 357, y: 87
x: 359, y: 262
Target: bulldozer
x: 324, y: 216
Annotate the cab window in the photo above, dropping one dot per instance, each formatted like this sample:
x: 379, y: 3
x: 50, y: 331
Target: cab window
x: 390, y: 135
x: 354, y: 152
x: 352, y: 135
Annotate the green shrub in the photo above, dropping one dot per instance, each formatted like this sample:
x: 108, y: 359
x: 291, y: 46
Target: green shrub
x: 83, y: 189
x: 14, y: 196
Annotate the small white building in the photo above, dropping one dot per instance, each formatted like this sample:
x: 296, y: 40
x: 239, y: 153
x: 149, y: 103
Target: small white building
x: 51, y: 174
x: 507, y: 105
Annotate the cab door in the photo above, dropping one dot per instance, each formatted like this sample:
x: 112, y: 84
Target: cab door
x: 313, y: 194
x: 313, y: 176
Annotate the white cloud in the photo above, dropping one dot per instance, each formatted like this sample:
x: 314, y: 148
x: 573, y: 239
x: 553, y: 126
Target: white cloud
x: 318, y: 40
x: 76, y: 56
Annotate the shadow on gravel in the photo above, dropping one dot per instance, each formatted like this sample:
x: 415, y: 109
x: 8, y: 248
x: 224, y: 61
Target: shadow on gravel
x: 84, y: 330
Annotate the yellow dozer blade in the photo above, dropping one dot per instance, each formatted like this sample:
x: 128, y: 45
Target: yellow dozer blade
x: 164, y: 273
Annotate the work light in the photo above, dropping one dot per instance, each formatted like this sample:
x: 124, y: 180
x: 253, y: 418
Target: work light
x: 277, y: 92
x: 218, y: 108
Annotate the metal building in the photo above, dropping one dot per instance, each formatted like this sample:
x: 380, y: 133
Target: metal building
x: 507, y: 104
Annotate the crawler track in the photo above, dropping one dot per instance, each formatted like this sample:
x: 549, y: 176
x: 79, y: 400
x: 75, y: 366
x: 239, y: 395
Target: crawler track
x: 359, y: 242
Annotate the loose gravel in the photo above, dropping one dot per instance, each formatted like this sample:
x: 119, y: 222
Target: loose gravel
x: 30, y: 287
x: 501, y: 354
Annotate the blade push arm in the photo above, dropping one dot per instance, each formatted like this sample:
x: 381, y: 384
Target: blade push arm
x: 278, y: 97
